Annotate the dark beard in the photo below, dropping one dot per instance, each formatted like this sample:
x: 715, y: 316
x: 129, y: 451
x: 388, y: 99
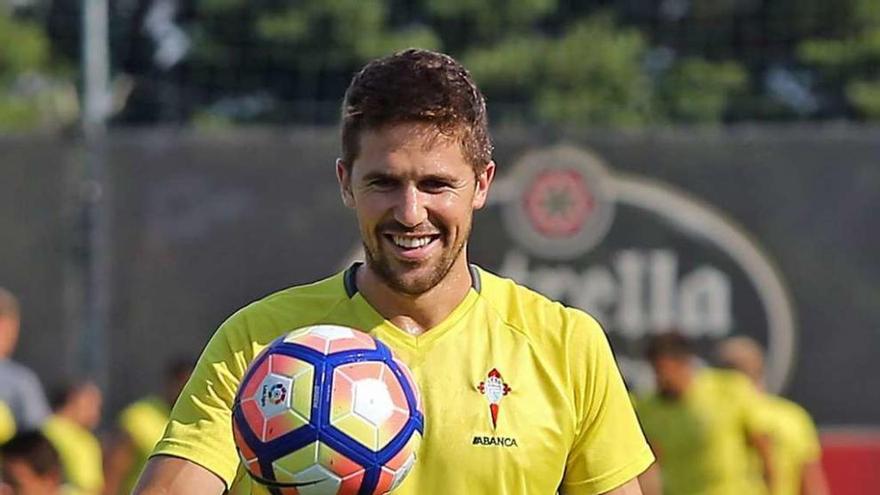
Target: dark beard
x: 382, y: 267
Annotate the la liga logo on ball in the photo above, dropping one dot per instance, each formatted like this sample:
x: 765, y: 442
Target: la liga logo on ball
x: 327, y: 410
x: 275, y: 394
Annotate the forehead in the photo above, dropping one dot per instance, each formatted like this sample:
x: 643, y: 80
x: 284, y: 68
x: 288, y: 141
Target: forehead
x: 409, y: 148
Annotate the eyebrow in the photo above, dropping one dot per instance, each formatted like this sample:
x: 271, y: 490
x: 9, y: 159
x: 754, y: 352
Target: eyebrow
x: 371, y: 176
x: 384, y: 175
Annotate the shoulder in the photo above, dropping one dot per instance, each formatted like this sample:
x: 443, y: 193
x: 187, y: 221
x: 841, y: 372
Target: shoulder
x: 263, y: 320
x: 305, y: 300
x: 723, y: 379
x: 732, y: 388
x: 538, y: 317
x: 147, y: 407
x: 789, y: 410
x: 18, y: 373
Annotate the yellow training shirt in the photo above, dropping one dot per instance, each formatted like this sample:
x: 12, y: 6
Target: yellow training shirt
x: 80, y: 454
x: 565, y: 424
x: 7, y: 423
x: 144, y: 422
x: 794, y: 441
x: 701, y: 438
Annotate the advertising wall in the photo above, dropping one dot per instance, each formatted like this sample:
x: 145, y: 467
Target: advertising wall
x: 771, y: 233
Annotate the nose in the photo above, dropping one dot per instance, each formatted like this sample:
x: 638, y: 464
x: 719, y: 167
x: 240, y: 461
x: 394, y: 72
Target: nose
x: 410, y: 208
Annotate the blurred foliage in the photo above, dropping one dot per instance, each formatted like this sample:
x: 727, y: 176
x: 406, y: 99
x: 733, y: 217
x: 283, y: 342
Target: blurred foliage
x: 593, y: 63
x: 605, y: 86
x: 849, y: 66
x: 465, y: 23
x: 595, y: 74
x: 697, y: 91
x: 31, y: 97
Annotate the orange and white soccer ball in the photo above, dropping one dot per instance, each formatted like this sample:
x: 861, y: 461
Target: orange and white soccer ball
x: 329, y: 410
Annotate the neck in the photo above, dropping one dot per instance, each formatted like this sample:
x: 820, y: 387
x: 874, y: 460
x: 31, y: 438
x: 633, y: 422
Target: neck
x: 416, y: 314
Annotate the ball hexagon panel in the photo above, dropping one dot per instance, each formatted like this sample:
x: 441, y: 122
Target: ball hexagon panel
x: 329, y: 339
x: 319, y: 470
x: 281, y: 401
x: 247, y: 456
x: 368, y: 403
x: 395, y: 470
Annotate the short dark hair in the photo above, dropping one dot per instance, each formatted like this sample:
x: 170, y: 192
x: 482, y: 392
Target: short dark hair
x: 35, y: 449
x: 670, y: 344
x: 417, y: 86
x: 65, y: 391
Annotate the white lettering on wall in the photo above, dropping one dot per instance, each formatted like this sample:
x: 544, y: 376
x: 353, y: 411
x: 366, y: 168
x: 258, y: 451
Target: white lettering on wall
x: 642, y: 292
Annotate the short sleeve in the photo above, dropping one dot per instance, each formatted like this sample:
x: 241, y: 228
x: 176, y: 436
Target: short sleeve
x: 609, y: 448
x: 200, y: 427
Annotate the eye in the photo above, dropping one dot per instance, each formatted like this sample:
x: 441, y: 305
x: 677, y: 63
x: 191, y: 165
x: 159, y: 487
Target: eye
x: 435, y: 185
x: 381, y: 183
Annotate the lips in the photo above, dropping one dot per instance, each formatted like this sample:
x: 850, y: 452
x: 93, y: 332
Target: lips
x: 411, y: 247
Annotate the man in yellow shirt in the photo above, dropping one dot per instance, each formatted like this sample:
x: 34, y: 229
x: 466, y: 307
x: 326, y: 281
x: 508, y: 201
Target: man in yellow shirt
x: 700, y: 423
x: 796, y: 450
x: 140, y: 426
x: 77, y: 412
x: 416, y: 162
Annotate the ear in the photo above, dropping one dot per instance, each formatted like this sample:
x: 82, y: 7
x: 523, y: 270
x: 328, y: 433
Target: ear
x: 484, y: 181
x: 343, y: 175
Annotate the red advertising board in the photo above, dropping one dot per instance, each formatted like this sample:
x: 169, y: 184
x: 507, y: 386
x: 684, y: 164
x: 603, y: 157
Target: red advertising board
x: 851, y: 458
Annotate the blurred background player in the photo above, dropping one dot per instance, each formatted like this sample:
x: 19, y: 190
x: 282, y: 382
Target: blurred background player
x: 30, y: 466
x: 77, y: 412
x: 701, y: 424
x: 7, y: 423
x: 20, y: 389
x: 139, y: 427
x: 796, y: 453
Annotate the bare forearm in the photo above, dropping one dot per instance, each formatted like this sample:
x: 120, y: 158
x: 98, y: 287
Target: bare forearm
x: 118, y: 461
x: 165, y: 475
x: 813, y: 480
x: 631, y: 487
x: 650, y: 481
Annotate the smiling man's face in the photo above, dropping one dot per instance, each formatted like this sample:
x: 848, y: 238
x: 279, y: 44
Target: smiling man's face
x: 414, y: 194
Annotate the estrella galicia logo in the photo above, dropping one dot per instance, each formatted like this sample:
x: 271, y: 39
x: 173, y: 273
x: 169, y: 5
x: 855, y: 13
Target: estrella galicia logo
x: 639, y: 255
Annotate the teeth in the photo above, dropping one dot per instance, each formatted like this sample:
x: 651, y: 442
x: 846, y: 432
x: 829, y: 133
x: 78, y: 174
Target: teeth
x: 410, y: 242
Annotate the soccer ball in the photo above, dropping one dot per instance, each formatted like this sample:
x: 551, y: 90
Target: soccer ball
x: 327, y: 410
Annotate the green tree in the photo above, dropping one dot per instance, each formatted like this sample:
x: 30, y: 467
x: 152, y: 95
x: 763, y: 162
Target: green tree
x: 595, y: 74
x: 697, y: 91
x: 30, y: 97
x: 592, y: 74
x: 295, y: 50
x: 468, y: 23
x: 849, y: 65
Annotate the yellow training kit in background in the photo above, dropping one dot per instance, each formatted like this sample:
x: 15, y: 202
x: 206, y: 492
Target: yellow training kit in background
x: 144, y: 422
x: 794, y: 441
x: 701, y: 437
x: 80, y: 454
x: 565, y: 423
